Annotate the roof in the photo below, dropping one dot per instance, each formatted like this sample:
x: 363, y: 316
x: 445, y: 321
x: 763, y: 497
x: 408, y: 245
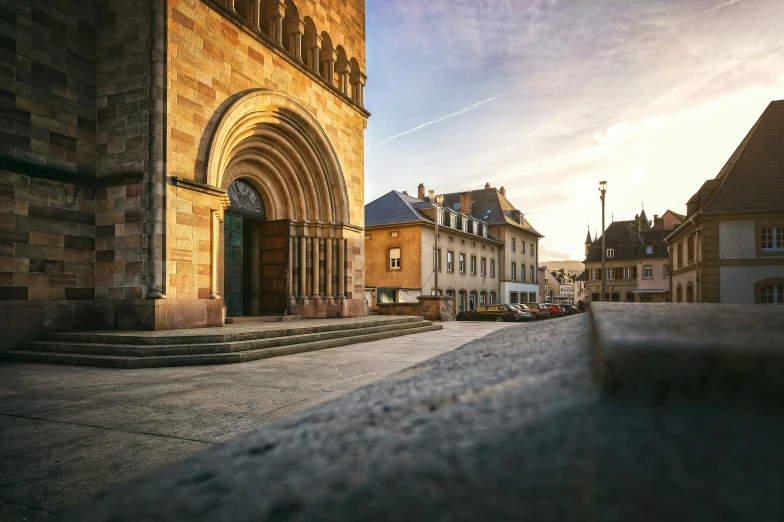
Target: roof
x: 753, y: 177
x: 393, y: 207
x: 681, y: 217
x: 588, y: 239
x: 490, y: 206
x: 622, y: 236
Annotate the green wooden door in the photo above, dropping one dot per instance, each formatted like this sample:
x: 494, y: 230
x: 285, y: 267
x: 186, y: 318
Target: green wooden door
x: 232, y: 264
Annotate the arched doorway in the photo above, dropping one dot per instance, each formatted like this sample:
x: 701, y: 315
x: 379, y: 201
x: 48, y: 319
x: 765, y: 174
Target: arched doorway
x: 285, y: 190
x: 689, y: 293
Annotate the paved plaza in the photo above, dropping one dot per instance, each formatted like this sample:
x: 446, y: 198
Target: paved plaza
x: 70, y: 432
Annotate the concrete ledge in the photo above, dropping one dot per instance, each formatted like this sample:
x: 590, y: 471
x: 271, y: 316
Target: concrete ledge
x: 716, y: 352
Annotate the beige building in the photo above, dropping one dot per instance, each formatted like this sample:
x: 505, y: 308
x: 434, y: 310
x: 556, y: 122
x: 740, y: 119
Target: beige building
x: 400, y: 253
x: 730, y: 249
x: 179, y: 161
x: 636, y: 260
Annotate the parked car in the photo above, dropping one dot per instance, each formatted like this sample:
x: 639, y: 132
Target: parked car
x: 490, y: 313
x: 555, y: 310
x: 570, y: 309
x: 524, y: 313
x: 539, y: 310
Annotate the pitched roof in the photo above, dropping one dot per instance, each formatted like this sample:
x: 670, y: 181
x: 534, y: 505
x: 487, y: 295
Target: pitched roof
x: 622, y: 236
x: 682, y: 217
x: 588, y: 239
x: 393, y: 207
x: 753, y: 177
x: 490, y: 206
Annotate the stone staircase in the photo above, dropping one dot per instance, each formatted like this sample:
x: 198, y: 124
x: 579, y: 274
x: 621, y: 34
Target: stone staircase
x: 226, y: 345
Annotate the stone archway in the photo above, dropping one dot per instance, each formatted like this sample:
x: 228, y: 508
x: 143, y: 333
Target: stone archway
x: 272, y: 143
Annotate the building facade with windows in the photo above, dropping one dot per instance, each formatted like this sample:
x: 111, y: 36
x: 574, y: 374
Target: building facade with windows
x: 163, y: 164
x: 401, y: 256
x: 557, y: 287
x: 518, y: 260
x: 730, y: 249
x: 637, y: 262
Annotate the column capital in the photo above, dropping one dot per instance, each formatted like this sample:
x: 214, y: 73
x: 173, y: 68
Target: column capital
x: 358, y: 77
x: 329, y: 55
x: 275, y: 8
x: 342, y: 67
x: 312, y: 40
x: 295, y: 27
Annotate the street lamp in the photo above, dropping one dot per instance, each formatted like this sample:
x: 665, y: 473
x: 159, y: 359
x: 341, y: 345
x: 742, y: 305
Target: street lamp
x: 603, y: 190
x: 438, y: 201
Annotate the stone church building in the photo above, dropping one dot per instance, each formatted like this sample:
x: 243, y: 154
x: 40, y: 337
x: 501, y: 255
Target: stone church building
x: 164, y: 163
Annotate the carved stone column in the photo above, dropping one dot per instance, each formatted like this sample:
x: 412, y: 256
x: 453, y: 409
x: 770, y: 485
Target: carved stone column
x: 358, y: 82
x: 343, y: 72
x: 316, y: 292
x: 328, y: 59
x: 328, y: 268
x: 341, y: 268
x: 275, y: 13
x: 303, y: 267
x: 254, y: 11
x: 296, y: 29
x: 230, y: 5
x: 313, y: 46
x: 290, y: 269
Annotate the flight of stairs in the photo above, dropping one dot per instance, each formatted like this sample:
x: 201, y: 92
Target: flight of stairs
x: 224, y: 346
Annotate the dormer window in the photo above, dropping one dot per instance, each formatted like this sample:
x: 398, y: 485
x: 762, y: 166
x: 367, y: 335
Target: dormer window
x: 452, y: 220
x: 649, y: 249
x: 484, y: 231
x: 610, y: 252
x: 465, y: 224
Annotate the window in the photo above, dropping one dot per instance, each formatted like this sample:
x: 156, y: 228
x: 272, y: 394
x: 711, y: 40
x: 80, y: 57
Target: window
x: 666, y: 270
x: 482, y: 298
x: 394, y: 258
x: 367, y: 235
x: 393, y: 233
x: 450, y: 266
x: 680, y: 256
x: 647, y: 272
x: 513, y: 272
x: 690, y: 249
x: 610, y: 252
x: 627, y: 272
x: 484, y: 232
x: 491, y: 298
x: 596, y: 296
x: 593, y: 274
x: 522, y: 247
x: 450, y: 238
x: 610, y: 273
x: 452, y: 220
x: 472, y: 301
x: 532, y: 249
x: 772, y: 238
x: 513, y: 297
x: 473, y: 244
x: 462, y: 263
x: 616, y: 297
x: 522, y: 270
x: 462, y: 241
x: 649, y: 249
x: 689, y: 292
x: 772, y: 294
x: 473, y: 265
x: 465, y: 224
x: 513, y: 244
x: 492, y: 268
x: 531, y: 272
x: 679, y: 294
x: 483, y: 267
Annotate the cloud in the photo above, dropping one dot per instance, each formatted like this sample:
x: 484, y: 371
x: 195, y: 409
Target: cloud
x: 721, y: 6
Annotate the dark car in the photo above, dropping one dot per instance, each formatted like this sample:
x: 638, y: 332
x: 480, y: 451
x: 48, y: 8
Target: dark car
x: 570, y: 309
x: 490, y: 313
x: 525, y: 313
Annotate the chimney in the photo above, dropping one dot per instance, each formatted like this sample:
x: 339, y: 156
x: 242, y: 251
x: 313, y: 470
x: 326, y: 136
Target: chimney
x: 487, y: 185
x: 431, y: 196
x: 502, y: 191
x: 421, y: 191
x: 465, y: 203
x: 405, y: 192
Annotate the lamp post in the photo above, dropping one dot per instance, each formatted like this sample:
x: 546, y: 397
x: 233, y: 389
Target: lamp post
x: 436, y: 258
x: 603, y: 190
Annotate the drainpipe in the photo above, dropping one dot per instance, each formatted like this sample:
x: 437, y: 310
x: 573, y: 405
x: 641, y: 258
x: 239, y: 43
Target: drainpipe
x: 500, y: 265
x: 697, y: 257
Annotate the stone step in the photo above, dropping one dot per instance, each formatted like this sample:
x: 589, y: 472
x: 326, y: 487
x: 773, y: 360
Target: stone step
x: 130, y: 362
x: 220, y: 334
x: 262, y: 319
x: 207, y: 348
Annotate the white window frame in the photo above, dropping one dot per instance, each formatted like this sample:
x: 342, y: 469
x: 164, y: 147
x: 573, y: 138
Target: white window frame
x: 394, y: 262
x: 649, y: 249
x: 492, y: 268
x: 483, y: 267
x: 513, y: 244
x: 647, y: 270
x: 450, y: 261
x: 452, y: 220
x: 666, y: 270
x: 531, y: 272
x: 776, y: 294
x: 627, y: 272
x: 610, y: 252
x: 513, y: 272
x: 610, y: 274
x: 473, y: 265
x: 522, y: 247
x: 522, y: 270
x: 775, y: 233
x: 461, y: 261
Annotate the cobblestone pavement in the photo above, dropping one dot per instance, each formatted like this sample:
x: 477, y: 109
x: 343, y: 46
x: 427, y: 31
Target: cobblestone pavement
x: 68, y: 432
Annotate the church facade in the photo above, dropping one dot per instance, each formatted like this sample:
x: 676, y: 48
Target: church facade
x: 165, y: 163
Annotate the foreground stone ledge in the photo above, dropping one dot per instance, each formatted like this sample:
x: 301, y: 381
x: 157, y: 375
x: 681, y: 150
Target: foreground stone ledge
x: 508, y: 427
x: 700, y: 351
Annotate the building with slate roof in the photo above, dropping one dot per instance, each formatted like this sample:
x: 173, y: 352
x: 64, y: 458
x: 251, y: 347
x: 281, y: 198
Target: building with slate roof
x: 637, y: 262
x: 487, y: 249
x: 730, y: 247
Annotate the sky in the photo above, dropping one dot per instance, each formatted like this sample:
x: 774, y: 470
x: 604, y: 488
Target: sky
x: 549, y: 97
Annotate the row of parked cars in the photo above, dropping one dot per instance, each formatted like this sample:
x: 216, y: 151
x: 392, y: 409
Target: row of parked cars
x: 517, y: 312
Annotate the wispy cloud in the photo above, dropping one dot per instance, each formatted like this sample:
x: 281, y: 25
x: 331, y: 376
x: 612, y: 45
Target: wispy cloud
x: 442, y: 118
x: 720, y: 6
